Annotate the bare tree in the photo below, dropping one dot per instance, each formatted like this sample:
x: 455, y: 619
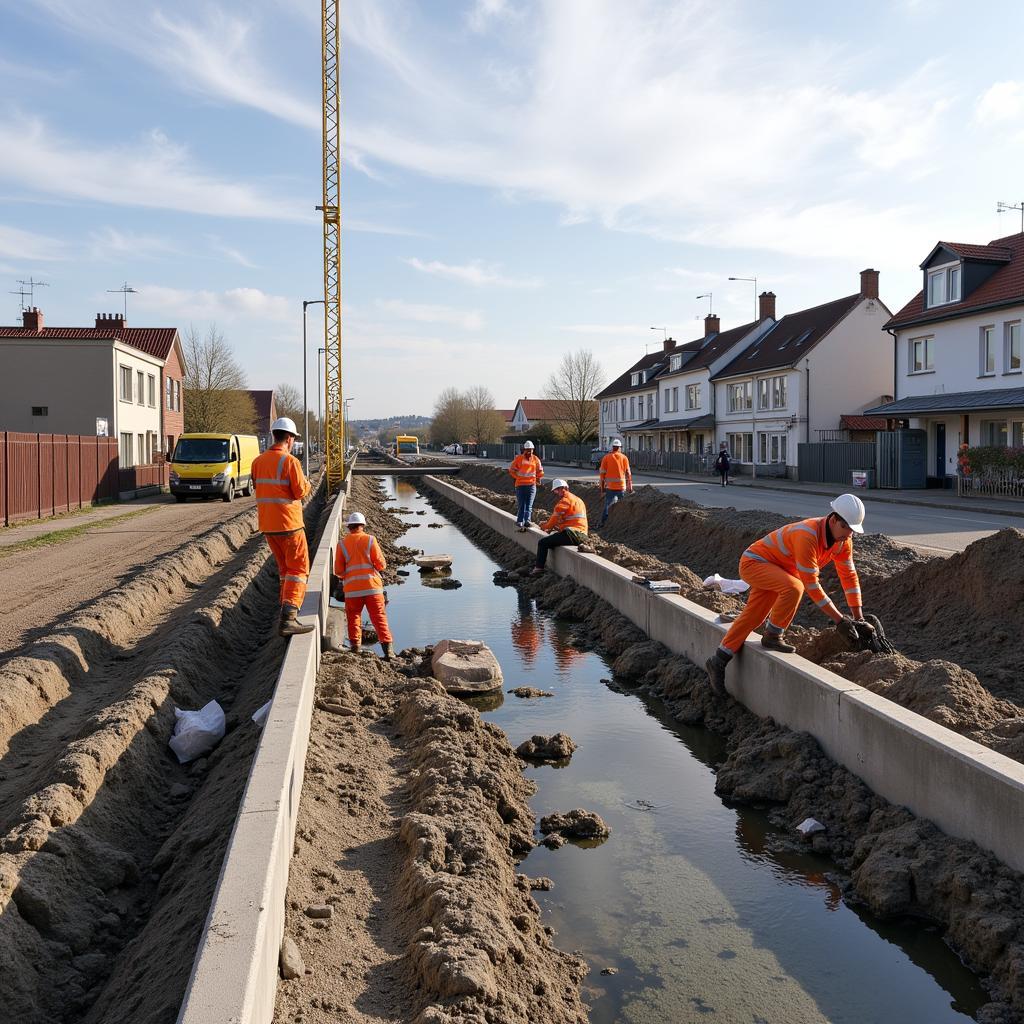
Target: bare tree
x: 451, y: 418
x: 288, y: 402
x: 216, y: 399
x: 574, y: 384
x: 486, y: 424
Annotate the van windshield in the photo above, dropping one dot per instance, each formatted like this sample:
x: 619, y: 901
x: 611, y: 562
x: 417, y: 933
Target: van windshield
x: 201, y: 449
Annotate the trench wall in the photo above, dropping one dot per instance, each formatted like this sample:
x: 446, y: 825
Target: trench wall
x: 966, y: 789
x: 235, y: 972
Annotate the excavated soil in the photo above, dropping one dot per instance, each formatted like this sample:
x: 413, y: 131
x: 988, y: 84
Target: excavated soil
x: 894, y: 864
x: 109, y: 849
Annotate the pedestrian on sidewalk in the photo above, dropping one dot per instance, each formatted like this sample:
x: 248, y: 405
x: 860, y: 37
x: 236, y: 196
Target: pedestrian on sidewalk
x: 567, y: 525
x: 358, y: 562
x: 780, y: 567
x: 280, y: 487
x: 723, y: 463
x: 527, y: 473
x: 614, y: 477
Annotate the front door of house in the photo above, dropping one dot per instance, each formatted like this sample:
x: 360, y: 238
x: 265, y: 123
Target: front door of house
x: 940, y: 449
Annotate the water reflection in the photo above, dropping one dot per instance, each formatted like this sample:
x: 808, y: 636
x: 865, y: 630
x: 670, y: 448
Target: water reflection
x: 527, y: 630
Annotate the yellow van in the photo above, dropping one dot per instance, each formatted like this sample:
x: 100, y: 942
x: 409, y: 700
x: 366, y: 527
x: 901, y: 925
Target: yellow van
x: 213, y: 464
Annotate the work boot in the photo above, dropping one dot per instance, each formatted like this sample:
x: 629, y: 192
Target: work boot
x: 777, y: 642
x: 355, y: 648
x: 389, y: 650
x: 536, y: 571
x: 716, y: 674
x: 290, y: 625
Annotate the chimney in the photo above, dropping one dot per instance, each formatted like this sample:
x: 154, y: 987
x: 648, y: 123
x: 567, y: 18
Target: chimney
x: 766, y: 306
x: 869, y: 283
x: 32, y: 319
x: 712, y: 325
x: 110, y: 321
x: 670, y: 343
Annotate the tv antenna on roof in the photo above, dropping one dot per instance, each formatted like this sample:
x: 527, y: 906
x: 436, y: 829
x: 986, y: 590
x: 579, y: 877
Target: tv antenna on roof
x: 125, y: 290
x: 28, y: 288
x: 708, y: 296
x: 1002, y: 207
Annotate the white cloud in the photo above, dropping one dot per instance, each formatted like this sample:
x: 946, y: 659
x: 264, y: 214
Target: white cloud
x: 476, y: 273
x: 625, y: 330
x: 28, y: 245
x: 231, y: 254
x: 228, y: 306
x: 1001, y: 102
x: 468, y: 320
x: 483, y: 12
x: 111, y: 244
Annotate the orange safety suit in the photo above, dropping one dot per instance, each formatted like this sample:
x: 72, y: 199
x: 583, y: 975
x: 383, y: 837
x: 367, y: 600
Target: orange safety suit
x: 614, y: 473
x: 780, y: 567
x: 526, y: 470
x: 358, y: 560
x: 280, y: 487
x: 570, y: 514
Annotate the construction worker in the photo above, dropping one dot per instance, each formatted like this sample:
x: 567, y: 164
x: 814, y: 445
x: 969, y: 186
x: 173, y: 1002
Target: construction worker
x: 358, y: 561
x: 723, y: 463
x: 280, y: 488
x: 567, y: 525
x: 527, y: 472
x: 780, y: 567
x: 615, y: 478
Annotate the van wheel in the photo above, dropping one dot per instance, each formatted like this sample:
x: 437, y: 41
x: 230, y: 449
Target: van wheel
x: 251, y: 489
x: 229, y: 495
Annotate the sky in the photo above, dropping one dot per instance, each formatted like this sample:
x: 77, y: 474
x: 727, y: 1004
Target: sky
x: 520, y: 179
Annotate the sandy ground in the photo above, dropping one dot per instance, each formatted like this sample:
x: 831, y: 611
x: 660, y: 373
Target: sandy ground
x: 42, y: 584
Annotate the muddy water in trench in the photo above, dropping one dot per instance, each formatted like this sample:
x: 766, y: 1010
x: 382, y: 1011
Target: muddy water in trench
x: 702, y: 909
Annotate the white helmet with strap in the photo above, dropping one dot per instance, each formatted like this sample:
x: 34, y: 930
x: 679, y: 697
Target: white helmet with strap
x: 287, y: 425
x: 558, y: 482
x: 356, y: 519
x: 616, y: 443
x: 528, y: 444
x: 851, y: 509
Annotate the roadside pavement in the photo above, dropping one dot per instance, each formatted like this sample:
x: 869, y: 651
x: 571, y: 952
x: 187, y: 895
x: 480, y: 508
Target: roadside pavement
x: 31, y: 529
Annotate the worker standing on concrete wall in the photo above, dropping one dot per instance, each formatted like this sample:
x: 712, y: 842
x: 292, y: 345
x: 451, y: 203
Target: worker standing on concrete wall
x: 527, y: 472
x: 567, y: 525
x: 780, y: 567
x: 615, y: 478
x: 358, y: 561
x: 280, y: 488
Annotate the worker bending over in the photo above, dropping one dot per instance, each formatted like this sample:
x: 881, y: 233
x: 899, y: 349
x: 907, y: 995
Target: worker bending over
x: 615, y: 478
x: 567, y: 525
x: 280, y: 488
x: 780, y: 567
x: 358, y: 561
x: 527, y: 472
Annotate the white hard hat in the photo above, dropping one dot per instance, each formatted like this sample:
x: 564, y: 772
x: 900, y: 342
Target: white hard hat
x: 851, y: 508
x: 616, y: 443
x: 528, y: 444
x: 356, y: 519
x: 558, y: 482
x: 284, y: 423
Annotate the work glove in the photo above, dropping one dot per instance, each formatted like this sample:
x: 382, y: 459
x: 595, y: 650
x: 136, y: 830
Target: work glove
x: 337, y: 589
x: 864, y: 627
x: 847, y: 627
x: 878, y: 642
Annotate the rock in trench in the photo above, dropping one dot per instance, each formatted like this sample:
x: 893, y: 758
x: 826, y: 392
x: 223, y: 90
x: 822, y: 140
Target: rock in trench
x: 290, y: 960
x: 466, y: 666
x: 576, y: 824
x: 558, y: 747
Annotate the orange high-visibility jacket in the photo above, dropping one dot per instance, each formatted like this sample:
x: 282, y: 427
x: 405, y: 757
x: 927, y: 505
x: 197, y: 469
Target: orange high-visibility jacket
x: 570, y: 514
x: 526, y: 470
x: 280, y: 488
x: 357, y: 560
x: 615, y: 474
x: 801, y: 549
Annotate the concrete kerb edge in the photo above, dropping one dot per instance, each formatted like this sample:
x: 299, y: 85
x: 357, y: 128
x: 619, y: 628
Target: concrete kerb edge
x: 966, y: 789
x: 235, y: 971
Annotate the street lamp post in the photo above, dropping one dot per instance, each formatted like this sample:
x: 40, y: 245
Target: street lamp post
x: 320, y: 353
x: 306, y: 303
x: 344, y: 422
x: 754, y: 281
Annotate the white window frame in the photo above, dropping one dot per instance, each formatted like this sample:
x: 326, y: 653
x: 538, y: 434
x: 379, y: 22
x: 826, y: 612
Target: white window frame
x: 1011, y: 342
x: 741, y: 446
x: 780, y: 392
x: 987, y: 351
x: 772, y: 447
x: 125, y: 373
x: 674, y: 363
x: 927, y: 343
x: 634, y: 379
x: 949, y: 278
x: 125, y: 450
x: 693, y: 396
x: 151, y: 390
x: 764, y: 394
x: 177, y: 396
x: 741, y: 396
x: 140, y: 387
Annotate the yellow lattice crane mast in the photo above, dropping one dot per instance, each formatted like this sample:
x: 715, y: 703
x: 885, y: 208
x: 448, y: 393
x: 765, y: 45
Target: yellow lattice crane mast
x: 334, y: 427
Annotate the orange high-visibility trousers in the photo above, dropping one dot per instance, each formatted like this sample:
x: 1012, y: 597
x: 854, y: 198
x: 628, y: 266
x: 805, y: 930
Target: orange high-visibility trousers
x: 374, y: 605
x: 774, y: 595
x: 292, y: 557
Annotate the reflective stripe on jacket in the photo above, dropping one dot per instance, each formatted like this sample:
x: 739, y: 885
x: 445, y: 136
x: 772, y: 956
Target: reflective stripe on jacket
x: 526, y: 471
x: 357, y: 560
x: 801, y: 549
x: 280, y: 488
x: 570, y: 514
x: 614, y: 473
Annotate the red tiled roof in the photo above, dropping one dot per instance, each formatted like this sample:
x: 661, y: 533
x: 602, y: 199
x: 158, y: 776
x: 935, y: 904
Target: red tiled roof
x: 1004, y: 287
x: 863, y: 422
x: 154, y: 341
x: 507, y: 414
x: 998, y: 253
x: 542, y: 409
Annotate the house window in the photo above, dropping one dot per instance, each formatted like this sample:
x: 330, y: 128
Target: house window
x: 763, y: 392
x: 622, y: 412
x: 140, y: 390
x: 151, y: 391
x: 40, y: 410
x: 779, y: 393
x: 634, y: 379
x: 692, y: 396
x: 772, y: 448
x: 168, y: 398
x: 675, y: 399
x: 1017, y: 430
x: 944, y: 285
x: 988, y: 351
x: 994, y: 433
x: 126, y: 384
x: 922, y: 355
x: 741, y: 447
x: 1011, y: 358
x: 675, y: 362
x: 125, y: 447
x: 177, y: 396
x: 142, y: 448
x: 741, y: 396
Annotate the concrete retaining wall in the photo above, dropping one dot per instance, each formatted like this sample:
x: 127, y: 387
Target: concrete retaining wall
x: 234, y: 976
x: 966, y: 789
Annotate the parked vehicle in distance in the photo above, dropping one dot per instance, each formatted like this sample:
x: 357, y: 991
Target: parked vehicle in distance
x: 298, y: 448
x: 596, y: 455
x: 452, y: 449
x: 406, y: 444
x: 213, y: 465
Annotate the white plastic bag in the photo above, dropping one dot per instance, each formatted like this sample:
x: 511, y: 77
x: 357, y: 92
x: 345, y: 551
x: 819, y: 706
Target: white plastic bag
x: 717, y: 582
x: 197, y: 732
x: 260, y: 715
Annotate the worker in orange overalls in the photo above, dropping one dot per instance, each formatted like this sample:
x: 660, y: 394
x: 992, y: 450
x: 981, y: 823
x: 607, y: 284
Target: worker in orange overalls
x: 280, y: 487
x: 615, y: 478
x: 780, y: 567
x: 358, y: 561
x: 567, y: 525
x: 527, y: 473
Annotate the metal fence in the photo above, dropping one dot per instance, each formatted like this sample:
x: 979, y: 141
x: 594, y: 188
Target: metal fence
x: 834, y: 461
x: 993, y: 483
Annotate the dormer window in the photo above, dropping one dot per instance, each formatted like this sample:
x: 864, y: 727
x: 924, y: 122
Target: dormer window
x: 944, y: 284
x: 675, y: 362
x: 634, y: 379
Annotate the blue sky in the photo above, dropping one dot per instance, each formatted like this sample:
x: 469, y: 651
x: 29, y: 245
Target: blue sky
x: 521, y: 179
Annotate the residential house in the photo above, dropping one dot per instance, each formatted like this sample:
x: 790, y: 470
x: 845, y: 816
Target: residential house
x: 631, y: 399
x: 109, y: 379
x: 797, y: 379
x: 529, y: 413
x: 958, y: 358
